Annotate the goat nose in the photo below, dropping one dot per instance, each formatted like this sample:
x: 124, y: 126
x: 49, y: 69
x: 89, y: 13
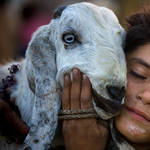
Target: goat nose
x: 116, y: 93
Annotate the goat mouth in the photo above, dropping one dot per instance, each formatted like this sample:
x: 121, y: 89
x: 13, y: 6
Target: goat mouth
x: 112, y: 107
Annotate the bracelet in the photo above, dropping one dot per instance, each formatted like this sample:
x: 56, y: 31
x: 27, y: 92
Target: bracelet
x: 78, y: 114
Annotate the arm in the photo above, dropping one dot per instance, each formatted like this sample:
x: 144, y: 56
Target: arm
x: 85, y: 134
x: 11, y: 120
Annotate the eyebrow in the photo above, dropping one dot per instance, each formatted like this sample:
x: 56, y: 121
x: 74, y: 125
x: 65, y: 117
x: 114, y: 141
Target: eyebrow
x: 141, y: 61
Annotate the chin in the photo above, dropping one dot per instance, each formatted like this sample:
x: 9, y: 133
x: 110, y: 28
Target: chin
x: 132, y: 130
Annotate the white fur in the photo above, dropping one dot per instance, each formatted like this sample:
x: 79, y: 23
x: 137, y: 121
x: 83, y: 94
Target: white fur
x: 97, y: 52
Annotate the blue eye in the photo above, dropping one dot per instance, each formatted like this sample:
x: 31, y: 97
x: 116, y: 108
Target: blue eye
x: 68, y: 38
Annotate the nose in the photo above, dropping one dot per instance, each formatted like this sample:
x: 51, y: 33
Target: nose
x: 144, y: 96
x: 116, y: 93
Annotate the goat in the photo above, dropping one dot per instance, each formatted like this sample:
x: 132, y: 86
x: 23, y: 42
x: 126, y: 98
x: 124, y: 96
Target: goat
x: 80, y: 35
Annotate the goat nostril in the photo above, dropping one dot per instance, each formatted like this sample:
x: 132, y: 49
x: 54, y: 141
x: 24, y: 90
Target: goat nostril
x: 116, y: 93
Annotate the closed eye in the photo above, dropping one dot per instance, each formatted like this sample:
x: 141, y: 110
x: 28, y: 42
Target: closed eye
x: 137, y: 75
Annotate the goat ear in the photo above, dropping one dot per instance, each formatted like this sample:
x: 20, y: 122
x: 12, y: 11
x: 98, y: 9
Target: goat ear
x: 57, y: 13
x: 41, y: 56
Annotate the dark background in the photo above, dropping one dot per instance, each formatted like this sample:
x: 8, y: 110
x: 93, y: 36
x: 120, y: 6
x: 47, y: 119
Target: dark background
x: 20, y: 18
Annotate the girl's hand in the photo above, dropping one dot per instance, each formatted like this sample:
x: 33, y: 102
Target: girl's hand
x: 81, y: 134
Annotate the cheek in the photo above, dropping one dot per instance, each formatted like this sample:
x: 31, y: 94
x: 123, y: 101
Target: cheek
x: 130, y: 91
x: 131, y: 130
x: 130, y: 84
x: 128, y: 128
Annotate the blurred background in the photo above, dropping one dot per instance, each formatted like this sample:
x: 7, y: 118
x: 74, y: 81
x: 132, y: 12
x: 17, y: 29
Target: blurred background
x: 20, y: 18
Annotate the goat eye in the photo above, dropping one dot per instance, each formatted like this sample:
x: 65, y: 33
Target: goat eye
x: 69, y: 38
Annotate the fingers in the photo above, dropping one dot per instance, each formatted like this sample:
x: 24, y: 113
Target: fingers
x: 76, y: 89
x: 71, y: 91
x: 66, y: 105
x: 86, y: 96
x: 76, y: 94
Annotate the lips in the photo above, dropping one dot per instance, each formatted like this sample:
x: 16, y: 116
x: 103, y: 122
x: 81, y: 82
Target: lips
x: 107, y: 105
x: 138, y: 114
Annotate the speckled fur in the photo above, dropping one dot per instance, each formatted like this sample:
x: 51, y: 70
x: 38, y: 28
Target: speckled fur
x: 97, y: 52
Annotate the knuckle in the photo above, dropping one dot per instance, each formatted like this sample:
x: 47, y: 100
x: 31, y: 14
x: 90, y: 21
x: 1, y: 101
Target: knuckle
x: 75, y: 98
x: 85, y: 99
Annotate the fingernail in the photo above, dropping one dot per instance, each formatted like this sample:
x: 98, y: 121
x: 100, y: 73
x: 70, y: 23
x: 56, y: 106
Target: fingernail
x: 75, y: 71
x: 84, y: 76
x: 66, y: 77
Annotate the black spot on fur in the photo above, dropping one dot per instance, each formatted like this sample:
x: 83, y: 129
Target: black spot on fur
x: 32, y: 129
x: 41, y: 123
x: 46, y: 121
x: 27, y: 148
x: 36, y: 141
x: 43, y: 114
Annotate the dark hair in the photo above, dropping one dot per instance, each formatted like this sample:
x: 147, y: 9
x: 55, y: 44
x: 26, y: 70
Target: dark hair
x: 138, y: 31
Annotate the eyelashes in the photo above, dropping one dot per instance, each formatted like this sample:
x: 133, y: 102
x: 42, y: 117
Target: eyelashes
x: 137, y: 75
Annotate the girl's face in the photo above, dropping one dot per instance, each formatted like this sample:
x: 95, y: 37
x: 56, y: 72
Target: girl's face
x: 134, y: 119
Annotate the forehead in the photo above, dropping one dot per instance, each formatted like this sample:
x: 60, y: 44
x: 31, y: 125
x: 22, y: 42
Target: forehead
x: 142, y: 52
x: 79, y: 21
x: 90, y: 23
x: 90, y: 19
x: 79, y: 14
